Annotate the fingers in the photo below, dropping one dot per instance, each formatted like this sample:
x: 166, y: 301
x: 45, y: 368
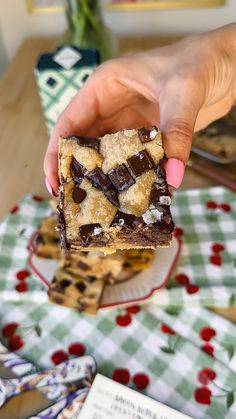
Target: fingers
x: 178, y: 114
x: 78, y: 119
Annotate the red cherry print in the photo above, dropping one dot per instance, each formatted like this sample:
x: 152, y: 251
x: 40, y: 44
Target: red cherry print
x: 206, y: 375
x: 217, y: 248
x: 203, y: 395
x: 22, y: 275
x: 14, y: 210
x: 208, y: 349
x: 37, y: 198
x: 225, y: 207
x: 121, y: 375
x: 21, y: 287
x: 192, y: 289
x: 167, y: 330
x: 9, y: 329
x: 15, y: 342
x: 216, y: 260
x: 133, y: 309
x: 58, y: 357
x: 182, y: 279
x: 211, y: 205
x: 178, y: 232
x: 124, y: 320
x: 141, y: 381
x: 77, y: 349
x: 207, y: 333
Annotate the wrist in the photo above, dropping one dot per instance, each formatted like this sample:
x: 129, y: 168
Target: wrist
x: 227, y: 41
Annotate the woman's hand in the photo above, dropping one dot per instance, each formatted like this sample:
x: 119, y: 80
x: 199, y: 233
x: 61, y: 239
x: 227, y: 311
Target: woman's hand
x: 180, y: 88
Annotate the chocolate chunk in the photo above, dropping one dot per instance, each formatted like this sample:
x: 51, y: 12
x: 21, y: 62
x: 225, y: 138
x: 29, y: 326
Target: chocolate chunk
x: 88, y: 231
x: 122, y: 219
x: 78, y: 194
x: 83, y: 265
x: 140, y: 163
x: 159, y: 195
x: 55, y: 298
x: 103, y: 183
x: 112, y: 196
x: 62, y: 227
x: 147, y: 134
x: 39, y: 240
x: 65, y: 283
x: 92, y: 142
x: 121, y: 178
x: 77, y: 171
x: 62, y: 285
x: 99, y: 179
x: 127, y: 265
x: 81, y: 286
x: 91, y: 279
x: 160, y: 171
x: 167, y: 218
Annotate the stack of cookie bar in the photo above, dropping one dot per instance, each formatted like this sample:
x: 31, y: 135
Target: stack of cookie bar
x: 81, y: 276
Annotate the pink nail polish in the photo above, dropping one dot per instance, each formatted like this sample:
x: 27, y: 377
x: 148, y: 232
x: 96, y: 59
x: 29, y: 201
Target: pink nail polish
x: 49, y: 187
x: 174, y: 172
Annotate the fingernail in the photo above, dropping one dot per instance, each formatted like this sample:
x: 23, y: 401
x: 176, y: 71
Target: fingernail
x: 174, y: 172
x: 49, y: 187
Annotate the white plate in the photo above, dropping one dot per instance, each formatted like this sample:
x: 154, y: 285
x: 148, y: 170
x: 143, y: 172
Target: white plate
x: 139, y: 288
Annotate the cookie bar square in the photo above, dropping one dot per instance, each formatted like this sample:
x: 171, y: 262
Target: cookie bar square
x: 82, y: 294
x: 219, y: 138
x: 113, y: 192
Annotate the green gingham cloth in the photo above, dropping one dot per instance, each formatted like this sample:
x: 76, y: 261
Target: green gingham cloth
x: 185, y: 354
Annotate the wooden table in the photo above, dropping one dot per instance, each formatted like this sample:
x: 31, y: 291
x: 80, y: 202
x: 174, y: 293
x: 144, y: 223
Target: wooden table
x: 23, y: 143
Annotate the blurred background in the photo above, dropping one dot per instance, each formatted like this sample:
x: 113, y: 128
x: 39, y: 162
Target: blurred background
x: 17, y: 22
x: 47, y: 53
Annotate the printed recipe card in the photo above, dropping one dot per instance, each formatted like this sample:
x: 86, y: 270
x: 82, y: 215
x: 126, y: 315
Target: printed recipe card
x: 108, y: 399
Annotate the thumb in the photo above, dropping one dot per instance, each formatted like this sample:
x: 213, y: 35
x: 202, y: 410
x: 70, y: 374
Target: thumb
x: 177, y: 122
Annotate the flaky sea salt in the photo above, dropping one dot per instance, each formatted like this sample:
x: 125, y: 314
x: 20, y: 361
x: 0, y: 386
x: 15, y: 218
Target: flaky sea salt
x: 97, y: 231
x: 152, y: 215
x: 165, y: 200
x: 153, y: 134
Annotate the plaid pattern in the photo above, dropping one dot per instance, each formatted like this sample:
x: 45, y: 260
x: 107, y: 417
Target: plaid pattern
x: 163, y: 343
x: 141, y: 347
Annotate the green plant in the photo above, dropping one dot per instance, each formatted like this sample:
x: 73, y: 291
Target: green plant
x: 86, y: 28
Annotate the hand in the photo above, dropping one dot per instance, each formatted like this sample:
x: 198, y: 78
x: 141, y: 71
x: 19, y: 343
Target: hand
x: 180, y: 88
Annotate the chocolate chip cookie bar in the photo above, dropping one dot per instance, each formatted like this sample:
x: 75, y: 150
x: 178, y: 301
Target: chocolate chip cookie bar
x: 82, y: 294
x: 113, y: 192
x: 219, y: 138
x: 81, y: 278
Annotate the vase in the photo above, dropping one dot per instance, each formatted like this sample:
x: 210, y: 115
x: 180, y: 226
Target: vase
x: 86, y: 28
